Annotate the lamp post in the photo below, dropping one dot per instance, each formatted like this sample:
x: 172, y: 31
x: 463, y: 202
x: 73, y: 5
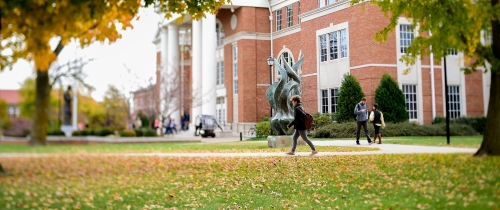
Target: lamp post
x: 270, y: 62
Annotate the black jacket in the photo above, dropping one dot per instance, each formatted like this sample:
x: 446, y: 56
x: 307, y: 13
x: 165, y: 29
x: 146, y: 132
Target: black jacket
x: 299, y: 118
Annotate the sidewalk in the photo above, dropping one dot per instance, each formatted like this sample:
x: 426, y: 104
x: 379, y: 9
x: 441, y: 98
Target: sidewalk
x: 384, y: 149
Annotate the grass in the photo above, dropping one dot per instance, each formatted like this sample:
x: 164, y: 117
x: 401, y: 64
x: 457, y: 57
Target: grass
x: 455, y: 141
x: 346, y: 182
x: 231, y: 147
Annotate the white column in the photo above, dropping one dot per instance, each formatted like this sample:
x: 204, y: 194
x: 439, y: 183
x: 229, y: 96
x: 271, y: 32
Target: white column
x: 196, y: 71
x: 208, y: 65
x: 164, y: 59
x: 173, y: 70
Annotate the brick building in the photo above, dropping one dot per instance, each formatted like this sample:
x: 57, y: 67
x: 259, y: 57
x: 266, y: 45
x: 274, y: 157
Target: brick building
x: 227, y: 56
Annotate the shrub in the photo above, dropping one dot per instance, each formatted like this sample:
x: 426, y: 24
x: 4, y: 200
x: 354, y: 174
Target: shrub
x: 19, y: 127
x: 55, y: 133
x: 86, y: 132
x: 76, y: 133
x: 263, y: 129
x: 150, y: 133
x: 349, y: 95
x: 103, y: 132
x: 127, y: 133
x: 138, y: 132
x: 348, y: 130
x: 391, y: 100
x: 321, y: 120
x: 478, y: 123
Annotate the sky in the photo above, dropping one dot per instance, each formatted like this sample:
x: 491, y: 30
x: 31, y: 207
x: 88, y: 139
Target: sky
x: 135, y: 50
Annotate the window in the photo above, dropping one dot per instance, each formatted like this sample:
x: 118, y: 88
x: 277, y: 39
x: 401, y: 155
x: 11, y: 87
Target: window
x: 289, y: 16
x: 452, y: 51
x: 454, y: 101
x: 322, y: 40
x: 220, y: 73
x: 410, y: 92
x: 343, y: 43
x: 321, y: 3
x: 334, y: 96
x: 405, y: 37
x: 235, y: 69
x: 221, y: 111
x: 235, y: 87
x: 333, y: 46
x: 278, y: 19
x: 331, y: 1
x: 488, y: 38
x: 285, y: 57
x: 324, y: 101
x: 218, y: 34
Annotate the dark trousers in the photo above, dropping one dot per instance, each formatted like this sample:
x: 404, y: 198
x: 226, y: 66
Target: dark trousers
x: 365, y: 127
x: 302, y: 133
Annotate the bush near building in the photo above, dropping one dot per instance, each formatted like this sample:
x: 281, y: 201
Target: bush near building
x: 478, y: 123
x: 263, y: 129
x: 391, y: 100
x: 128, y: 133
x: 349, y: 95
x: 348, y: 130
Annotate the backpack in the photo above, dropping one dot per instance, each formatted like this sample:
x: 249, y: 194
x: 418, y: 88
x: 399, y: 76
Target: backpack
x: 308, y: 120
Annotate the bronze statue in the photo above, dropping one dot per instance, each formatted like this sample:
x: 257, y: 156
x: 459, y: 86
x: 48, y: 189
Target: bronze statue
x: 278, y: 96
x: 67, y: 106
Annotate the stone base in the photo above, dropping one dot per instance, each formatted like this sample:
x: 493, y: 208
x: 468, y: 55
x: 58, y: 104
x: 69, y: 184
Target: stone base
x: 67, y: 129
x: 283, y: 141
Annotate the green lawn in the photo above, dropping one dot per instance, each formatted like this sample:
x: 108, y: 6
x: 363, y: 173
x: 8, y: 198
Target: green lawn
x: 455, y: 141
x: 345, y: 182
x: 231, y: 147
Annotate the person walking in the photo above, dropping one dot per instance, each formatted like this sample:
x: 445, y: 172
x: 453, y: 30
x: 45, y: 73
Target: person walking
x: 299, y: 125
x: 377, y: 118
x: 361, y: 112
x: 166, y: 124
x: 173, y: 127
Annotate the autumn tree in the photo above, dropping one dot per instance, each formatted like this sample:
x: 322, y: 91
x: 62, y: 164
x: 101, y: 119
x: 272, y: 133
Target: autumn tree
x: 458, y: 24
x: 29, y: 27
x: 4, y: 116
x: 116, y: 108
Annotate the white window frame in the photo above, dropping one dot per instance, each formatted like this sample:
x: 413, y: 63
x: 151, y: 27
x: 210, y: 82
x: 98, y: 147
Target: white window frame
x: 324, y: 101
x: 411, y: 100
x: 334, y: 97
x: 454, y: 101
x: 235, y: 69
x: 323, y: 49
x: 218, y: 34
x: 289, y: 16
x: 343, y: 43
x: 452, y: 52
x: 220, y: 73
x: 406, y: 36
x: 333, y: 45
x: 321, y: 3
x: 279, y: 19
x: 332, y: 2
x: 221, y: 110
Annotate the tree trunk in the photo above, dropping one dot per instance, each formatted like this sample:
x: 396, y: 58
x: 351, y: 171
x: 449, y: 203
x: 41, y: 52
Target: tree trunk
x: 41, y: 118
x: 491, y: 138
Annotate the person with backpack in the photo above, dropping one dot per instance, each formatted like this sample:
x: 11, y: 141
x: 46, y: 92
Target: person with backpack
x: 361, y: 112
x: 377, y: 118
x: 299, y: 124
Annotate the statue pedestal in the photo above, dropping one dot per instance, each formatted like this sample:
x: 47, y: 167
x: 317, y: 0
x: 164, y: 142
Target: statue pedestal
x: 283, y: 141
x: 67, y: 129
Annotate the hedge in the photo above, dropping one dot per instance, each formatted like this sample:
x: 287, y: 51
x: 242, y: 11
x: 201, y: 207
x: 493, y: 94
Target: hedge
x: 478, y: 123
x: 150, y: 133
x: 127, y: 133
x: 348, y: 130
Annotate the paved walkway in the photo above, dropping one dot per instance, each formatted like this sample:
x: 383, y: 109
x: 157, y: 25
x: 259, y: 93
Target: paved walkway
x: 384, y: 149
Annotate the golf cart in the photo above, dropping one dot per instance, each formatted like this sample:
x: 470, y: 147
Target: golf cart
x: 208, y: 124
